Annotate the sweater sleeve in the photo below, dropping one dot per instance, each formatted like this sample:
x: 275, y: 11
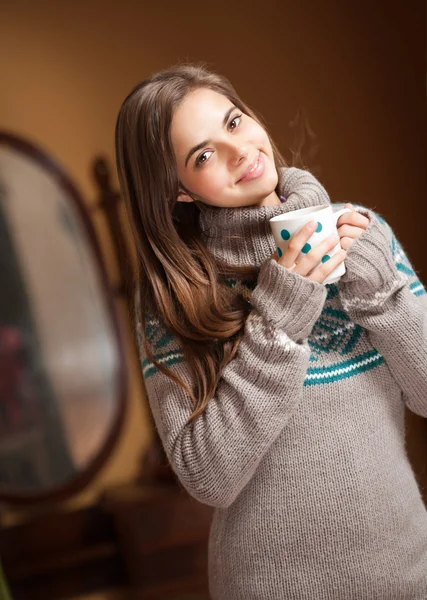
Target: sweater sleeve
x: 382, y: 292
x: 215, y: 455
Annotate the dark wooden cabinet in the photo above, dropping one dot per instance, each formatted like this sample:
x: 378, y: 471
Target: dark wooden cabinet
x: 61, y: 554
x: 149, y: 539
x: 163, y: 536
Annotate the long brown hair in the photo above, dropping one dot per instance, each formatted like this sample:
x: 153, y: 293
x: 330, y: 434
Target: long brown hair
x: 179, y: 282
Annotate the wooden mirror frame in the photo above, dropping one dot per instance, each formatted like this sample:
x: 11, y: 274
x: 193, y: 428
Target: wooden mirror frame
x: 78, y: 482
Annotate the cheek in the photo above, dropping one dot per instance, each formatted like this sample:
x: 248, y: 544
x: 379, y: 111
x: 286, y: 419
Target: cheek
x: 213, y: 182
x: 257, y: 134
x: 210, y: 183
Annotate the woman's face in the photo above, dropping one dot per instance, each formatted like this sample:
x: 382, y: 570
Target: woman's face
x: 224, y: 157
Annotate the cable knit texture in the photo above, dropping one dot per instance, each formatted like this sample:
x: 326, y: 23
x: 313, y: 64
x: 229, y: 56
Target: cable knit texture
x: 301, y: 450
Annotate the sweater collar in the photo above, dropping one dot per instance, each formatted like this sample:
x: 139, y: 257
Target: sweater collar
x: 242, y: 236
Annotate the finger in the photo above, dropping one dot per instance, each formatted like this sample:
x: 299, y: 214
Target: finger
x: 349, y: 231
x: 321, y: 272
x: 317, y: 254
x: 296, y: 244
x: 346, y: 242
x: 353, y: 218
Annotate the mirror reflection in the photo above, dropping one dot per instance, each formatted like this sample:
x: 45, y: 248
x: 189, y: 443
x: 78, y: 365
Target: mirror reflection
x: 59, y: 357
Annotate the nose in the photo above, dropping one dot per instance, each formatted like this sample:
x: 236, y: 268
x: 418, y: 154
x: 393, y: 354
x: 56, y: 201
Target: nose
x: 237, y: 152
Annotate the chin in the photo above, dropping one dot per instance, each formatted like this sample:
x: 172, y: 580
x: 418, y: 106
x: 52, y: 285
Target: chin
x: 271, y: 181
x: 269, y: 184
x: 273, y: 176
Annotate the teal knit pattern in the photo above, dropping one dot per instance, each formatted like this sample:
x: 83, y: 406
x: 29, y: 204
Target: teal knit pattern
x: 339, y: 347
x: 158, y: 339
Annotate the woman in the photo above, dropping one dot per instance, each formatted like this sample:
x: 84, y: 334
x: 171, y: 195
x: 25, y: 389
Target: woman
x: 279, y: 400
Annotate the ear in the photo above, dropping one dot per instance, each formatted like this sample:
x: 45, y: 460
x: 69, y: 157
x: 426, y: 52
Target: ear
x: 184, y: 197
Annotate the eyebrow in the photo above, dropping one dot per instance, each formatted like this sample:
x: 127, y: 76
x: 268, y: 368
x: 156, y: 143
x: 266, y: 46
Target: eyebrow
x: 206, y: 142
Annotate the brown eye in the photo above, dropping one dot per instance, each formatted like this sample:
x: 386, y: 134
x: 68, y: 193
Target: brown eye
x: 203, y: 158
x: 235, y: 122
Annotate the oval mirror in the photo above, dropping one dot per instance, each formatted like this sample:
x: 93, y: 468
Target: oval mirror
x: 62, y: 370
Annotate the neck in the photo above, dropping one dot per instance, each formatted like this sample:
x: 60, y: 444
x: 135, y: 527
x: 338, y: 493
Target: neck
x: 242, y: 236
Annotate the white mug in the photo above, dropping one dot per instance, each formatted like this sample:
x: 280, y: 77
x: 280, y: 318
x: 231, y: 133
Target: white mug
x: 286, y: 225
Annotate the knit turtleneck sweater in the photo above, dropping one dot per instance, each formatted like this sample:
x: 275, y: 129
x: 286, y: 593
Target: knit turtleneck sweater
x: 248, y: 228
x: 302, y: 448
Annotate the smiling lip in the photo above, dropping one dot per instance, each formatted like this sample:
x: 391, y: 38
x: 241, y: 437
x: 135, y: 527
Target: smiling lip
x: 254, y: 170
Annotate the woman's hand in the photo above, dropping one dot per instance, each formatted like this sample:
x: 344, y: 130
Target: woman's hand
x: 350, y: 226
x: 311, y: 265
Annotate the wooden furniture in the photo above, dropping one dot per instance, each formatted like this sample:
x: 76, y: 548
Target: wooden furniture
x: 163, y: 536
x: 109, y: 201
x: 149, y: 539
x: 62, y: 554
x: 63, y: 373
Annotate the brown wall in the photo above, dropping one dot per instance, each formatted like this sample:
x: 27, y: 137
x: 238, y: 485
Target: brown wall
x: 358, y: 68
